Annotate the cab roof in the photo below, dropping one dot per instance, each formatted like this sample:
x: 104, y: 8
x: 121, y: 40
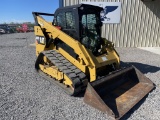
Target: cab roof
x: 78, y: 6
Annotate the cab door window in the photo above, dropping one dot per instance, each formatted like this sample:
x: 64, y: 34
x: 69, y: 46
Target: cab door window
x: 70, y: 21
x: 61, y: 20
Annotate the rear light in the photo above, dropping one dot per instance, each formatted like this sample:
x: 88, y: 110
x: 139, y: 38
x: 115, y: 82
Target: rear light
x: 40, y: 40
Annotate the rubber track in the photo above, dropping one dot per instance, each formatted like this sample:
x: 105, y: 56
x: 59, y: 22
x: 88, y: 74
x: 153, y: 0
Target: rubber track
x: 78, y: 78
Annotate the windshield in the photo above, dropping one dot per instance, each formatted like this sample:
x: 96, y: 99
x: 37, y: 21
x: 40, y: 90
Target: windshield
x: 89, y: 21
x: 90, y: 31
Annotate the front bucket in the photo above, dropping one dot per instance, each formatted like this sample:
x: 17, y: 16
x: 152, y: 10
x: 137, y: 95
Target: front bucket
x: 117, y: 93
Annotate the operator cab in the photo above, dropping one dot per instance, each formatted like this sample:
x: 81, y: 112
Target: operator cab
x: 82, y: 22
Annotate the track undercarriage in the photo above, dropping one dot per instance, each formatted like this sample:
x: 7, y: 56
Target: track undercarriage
x: 55, y: 66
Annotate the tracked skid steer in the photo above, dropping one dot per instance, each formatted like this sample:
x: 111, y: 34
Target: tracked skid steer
x: 71, y: 52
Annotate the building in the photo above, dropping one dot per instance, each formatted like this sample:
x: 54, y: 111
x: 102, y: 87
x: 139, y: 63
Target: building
x: 139, y: 23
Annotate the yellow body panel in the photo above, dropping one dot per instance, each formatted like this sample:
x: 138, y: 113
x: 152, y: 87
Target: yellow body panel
x: 38, y: 31
x: 39, y: 48
x: 86, y: 62
x: 52, y: 71
x: 55, y: 73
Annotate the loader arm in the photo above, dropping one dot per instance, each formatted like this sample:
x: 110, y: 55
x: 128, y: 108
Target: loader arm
x: 56, y: 33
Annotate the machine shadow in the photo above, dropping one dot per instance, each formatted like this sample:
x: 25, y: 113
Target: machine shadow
x: 144, y: 68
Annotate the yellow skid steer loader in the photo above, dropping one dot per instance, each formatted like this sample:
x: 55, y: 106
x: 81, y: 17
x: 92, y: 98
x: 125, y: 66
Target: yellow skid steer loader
x: 71, y: 52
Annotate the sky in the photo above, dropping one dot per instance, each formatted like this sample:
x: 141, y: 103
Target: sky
x: 21, y: 10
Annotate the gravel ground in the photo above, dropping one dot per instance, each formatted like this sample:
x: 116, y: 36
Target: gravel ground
x: 25, y: 95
